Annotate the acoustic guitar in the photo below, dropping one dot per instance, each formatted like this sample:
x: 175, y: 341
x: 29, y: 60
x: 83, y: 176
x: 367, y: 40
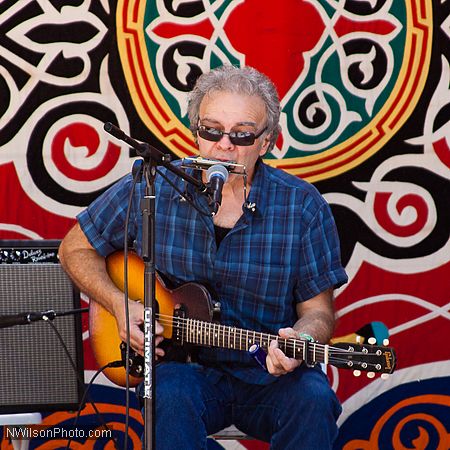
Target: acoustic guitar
x: 187, y: 314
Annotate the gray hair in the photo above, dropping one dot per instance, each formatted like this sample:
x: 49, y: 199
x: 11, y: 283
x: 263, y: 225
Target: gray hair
x: 242, y: 80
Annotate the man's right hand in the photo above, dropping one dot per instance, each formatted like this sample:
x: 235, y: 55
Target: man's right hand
x: 88, y: 270
x: 136, y: 314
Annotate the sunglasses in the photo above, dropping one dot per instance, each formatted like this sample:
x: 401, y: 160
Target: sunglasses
x: 243, y: 138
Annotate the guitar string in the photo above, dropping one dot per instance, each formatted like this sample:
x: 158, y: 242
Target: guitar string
x: 333, y: 359
x: 224, y: 329
x: 228, y: 333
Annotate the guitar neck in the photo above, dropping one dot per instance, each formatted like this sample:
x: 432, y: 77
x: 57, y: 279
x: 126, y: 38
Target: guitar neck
x: 215, y: 335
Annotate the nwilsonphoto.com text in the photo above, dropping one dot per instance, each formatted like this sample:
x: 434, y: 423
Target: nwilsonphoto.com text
x: 42, y: 432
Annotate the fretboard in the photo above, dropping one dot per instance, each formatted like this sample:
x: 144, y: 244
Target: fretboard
x: 215, y: 335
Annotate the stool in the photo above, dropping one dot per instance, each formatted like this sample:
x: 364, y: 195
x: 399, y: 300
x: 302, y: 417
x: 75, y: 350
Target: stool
x: 230, y: 433
x: 19, y: 421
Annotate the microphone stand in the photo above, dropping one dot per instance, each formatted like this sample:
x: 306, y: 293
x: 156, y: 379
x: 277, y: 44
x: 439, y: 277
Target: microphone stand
x: 152, y: 157
x: 26, y: 318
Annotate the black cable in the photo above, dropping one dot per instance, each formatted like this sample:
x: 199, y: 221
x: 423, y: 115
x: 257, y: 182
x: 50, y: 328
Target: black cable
x: 184, y: 196
x: 91, y: 382
x: 80, y: 381
x: 136, y: 177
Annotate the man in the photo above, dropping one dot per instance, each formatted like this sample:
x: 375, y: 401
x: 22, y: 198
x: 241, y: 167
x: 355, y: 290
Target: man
x: 273, y: 261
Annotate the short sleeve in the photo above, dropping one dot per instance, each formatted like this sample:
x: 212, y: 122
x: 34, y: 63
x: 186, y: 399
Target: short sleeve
x: 320, y: 259
x: 103, y: 221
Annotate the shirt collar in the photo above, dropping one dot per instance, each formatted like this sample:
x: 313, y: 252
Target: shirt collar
x: 257, y: 197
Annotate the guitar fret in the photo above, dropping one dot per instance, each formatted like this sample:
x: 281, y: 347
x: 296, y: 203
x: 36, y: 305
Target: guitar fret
x: 265, y: 343
x: 183, y: 333
x: 189, y: 330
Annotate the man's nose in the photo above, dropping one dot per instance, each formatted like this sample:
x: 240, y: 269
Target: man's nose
x: 225, y: 142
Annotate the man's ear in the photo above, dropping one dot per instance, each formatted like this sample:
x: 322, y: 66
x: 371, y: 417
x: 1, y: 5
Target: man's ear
x: 265, y: 145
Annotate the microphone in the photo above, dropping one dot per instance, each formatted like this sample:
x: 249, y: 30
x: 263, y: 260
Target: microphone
x: 25, y: 318
x: 216, y: 176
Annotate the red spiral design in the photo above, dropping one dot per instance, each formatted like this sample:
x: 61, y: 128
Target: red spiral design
x: 385, y: 220
x: 82, y: 135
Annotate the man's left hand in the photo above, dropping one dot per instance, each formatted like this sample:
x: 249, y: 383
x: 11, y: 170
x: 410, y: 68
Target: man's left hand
x: 277, y: 362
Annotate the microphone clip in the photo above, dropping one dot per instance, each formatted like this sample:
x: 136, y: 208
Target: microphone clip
x: 250, y: 206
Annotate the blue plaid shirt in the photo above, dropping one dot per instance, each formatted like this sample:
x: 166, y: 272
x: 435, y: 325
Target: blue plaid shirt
x: 284, y: 252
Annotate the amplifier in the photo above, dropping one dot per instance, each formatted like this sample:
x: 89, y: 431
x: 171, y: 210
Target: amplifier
x: 36, y: 374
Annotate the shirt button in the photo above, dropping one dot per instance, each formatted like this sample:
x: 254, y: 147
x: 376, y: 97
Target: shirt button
x: 218, y: 285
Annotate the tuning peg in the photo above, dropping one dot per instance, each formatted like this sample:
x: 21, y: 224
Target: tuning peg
x: 384, y: 376
x: 370, y: 374
x: 356, y: 373
x: 372, y: 341
x: 385, y: 342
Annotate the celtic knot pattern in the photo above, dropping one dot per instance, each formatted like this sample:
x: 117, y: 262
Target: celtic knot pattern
x: 53, y: 58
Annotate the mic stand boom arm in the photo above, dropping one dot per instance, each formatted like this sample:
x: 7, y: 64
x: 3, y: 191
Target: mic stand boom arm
x: 152, y: 158
x: 147, y: 152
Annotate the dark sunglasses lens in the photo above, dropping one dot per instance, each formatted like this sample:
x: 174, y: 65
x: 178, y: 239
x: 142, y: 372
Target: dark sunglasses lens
x: 242, y: 138
x: 210, y: 134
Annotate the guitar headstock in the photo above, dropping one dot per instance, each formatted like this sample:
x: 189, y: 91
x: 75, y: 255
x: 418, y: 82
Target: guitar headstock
x: 373, y: 359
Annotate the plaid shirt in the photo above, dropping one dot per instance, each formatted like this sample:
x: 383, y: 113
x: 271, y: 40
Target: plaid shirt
x: 284, y: 252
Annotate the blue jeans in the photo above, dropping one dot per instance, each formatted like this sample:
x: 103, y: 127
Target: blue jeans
x: 298, y: 411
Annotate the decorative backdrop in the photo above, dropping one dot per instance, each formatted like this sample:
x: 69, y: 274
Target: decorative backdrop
x: 365, y: 89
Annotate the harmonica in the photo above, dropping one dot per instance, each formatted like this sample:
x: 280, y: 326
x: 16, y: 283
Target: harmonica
x: 200, y: 163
